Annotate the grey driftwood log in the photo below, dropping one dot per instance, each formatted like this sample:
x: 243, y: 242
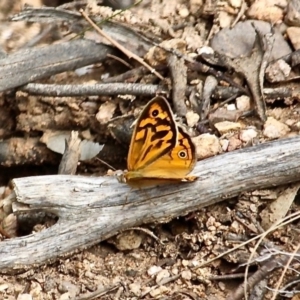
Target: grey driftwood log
x: 91, y: 209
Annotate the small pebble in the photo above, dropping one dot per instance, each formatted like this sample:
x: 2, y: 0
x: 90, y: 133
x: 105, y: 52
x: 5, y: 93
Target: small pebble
x: 248, y: 135
x: 162, y: 274
x: 153, y: 270
x: 274, y: 129
x: 4, y: 287
x: 207, y: 145
x: 24, y: 297
x: 187, y: 275
x: 185, y: 262
x: 243, y: 103
x: 227, y: 126
x: 135, y: 289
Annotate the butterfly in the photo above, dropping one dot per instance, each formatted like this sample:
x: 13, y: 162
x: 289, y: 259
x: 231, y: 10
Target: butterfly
x: 160, y: 152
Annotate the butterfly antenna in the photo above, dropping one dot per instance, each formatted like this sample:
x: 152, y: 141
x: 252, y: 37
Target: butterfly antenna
x: 105, y: 163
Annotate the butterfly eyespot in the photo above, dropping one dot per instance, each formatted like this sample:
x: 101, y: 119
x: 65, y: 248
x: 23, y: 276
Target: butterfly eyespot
x: 154, y: 113
x: 182, y: 154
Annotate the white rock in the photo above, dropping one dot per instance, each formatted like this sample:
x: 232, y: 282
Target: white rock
x: 205, y: 50
x: 225, y: 19
x: 235, y: 3
x: 65, y: 296
x: 234, y: 143
x: 293, y: 34
x: 4, y: 286
x: 187, y: 275
x: 153, y: 270
x: 248, y: 135
x: 207, y: 145
x: 135, y: 289
x: 253, y: 208
x: 274, y: 129
x: 227, y: 126
x: 106, y: 112
x: 266, y: 10
x: 243, y: 103
x: 161, y: 275
x: 231, y: 107
x: 278, y: 71
x: 183, y: 11
x: 224, y: 145
x: 185, y: 262
x: 24, y: 297
x: 192, y: 118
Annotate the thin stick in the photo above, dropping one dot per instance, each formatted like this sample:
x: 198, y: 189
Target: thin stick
x: 119, y: 46
x: 284, y: 272
x: 260, y: 236
x: 280, y: 223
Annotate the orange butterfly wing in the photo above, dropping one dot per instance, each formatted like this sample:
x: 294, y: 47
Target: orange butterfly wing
x: 160, y: 151
x: 175, y: 164
x: 155, y: 132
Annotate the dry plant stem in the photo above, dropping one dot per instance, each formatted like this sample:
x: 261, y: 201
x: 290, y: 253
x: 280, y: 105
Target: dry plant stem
x: 118, y: 293
x: 224, y: 93
x: 227, y: 276
x: 162, y: 282
x: 251, y: 69
x: 244, y: 224
x: 91, y: 90
x: 280, y: 223
x: 288, y: 263
x: 269, y: 42
x: 197, y: 66
x: 281, y: 92
x: 129, y: 76
x: 191, y: 295
x: 105, y: 163
x: 116, y: 88
x: 111, y: 207
x: 71, y: 156
x: 119, y: 46
x: 122, y: 61
x: 98, y: 293
x: 261, y: 274
x: 200, y: 67
x: 147, y: 231
x: 178, y: 72
x: 240, y: 13
x: 122, y: 34
x: 208, y: 89
x: 260, y: 236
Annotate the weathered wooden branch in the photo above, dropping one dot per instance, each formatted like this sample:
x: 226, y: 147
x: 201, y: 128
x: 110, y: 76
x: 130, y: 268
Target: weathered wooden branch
x: 31, y: 64
x: 91, y: 209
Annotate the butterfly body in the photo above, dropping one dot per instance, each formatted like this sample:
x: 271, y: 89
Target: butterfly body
x: 160, y: 152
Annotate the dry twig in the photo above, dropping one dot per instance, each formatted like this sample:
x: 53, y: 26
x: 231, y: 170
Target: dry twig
x: 119, y: 46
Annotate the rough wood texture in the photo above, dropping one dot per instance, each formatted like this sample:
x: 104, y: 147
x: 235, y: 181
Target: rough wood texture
x: 31, y: 64
x: 93, y: 209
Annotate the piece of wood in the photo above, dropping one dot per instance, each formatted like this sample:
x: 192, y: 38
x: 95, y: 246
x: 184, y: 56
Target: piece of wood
x: 91, y: 209
x: 31, y: 64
